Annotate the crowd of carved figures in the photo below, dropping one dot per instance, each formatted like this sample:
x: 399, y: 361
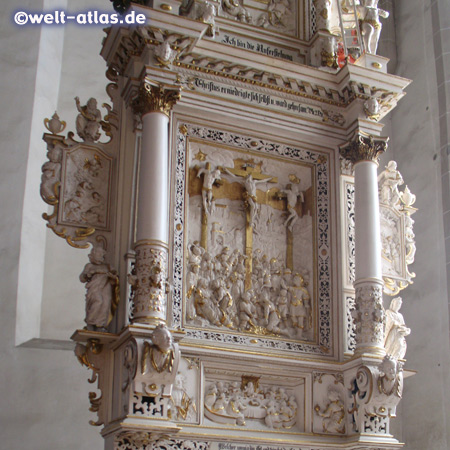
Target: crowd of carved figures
x: 233, y: 402
x: 278, y: 302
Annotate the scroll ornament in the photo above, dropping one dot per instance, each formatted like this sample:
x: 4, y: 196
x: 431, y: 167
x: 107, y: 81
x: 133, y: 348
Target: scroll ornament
x: 376, y: 391
x: 93, y: 356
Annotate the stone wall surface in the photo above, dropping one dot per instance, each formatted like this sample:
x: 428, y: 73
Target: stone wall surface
x: 419, y: 145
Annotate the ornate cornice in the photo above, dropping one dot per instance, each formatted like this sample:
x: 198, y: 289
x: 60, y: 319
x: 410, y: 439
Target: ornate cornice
x: 364, y: 147
x: 155, y: 98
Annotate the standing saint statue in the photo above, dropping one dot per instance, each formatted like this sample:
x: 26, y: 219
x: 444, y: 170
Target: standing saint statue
x: 101, y: 290
x: 396, y: 330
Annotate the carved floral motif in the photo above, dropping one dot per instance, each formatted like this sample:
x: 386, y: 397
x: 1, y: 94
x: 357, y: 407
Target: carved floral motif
x: 149, y: 284
x: 369, y: 315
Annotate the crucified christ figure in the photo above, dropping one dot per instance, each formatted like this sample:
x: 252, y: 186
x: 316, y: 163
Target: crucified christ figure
x: 250, y: 193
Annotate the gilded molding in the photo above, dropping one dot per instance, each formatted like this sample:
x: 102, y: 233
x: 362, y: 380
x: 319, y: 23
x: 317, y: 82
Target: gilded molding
x: 364, y: 147
x: 155, y: 98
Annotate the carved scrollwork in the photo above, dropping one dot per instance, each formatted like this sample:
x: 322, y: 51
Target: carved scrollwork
x: 93, y: 357
x: 376, y: 391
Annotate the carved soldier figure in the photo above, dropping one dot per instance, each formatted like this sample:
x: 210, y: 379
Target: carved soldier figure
x: 299, y: 299
x: 236, y: 9
x: 246, y: 311
x: 204, y: 305
x: 100, y: 290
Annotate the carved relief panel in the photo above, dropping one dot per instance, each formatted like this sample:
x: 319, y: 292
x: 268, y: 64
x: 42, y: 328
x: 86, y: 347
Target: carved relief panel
x: 254, y: 402
x: 253, y: 263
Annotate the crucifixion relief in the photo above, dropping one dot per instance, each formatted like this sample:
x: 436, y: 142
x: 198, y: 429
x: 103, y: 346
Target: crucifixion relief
x: 252, y: 245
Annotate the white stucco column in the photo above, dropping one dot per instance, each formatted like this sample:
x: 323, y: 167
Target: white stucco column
x: 363, y: 151
x: 153, y: 103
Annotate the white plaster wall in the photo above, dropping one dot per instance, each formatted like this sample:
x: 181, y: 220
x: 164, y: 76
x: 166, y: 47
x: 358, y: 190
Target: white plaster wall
x: 44, y: 393
x: 415, y: 144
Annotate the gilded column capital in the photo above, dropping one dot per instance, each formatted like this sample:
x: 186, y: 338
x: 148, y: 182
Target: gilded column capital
x: 364, y: 147
x: 155, y: 98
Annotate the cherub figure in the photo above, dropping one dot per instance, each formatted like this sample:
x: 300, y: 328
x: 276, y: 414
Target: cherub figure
x: 51, y: 171
x: 101, y: 283
x: 164, y: 53
x: 88, y: 121
x: 161, y: 353
x: 371, y: 25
